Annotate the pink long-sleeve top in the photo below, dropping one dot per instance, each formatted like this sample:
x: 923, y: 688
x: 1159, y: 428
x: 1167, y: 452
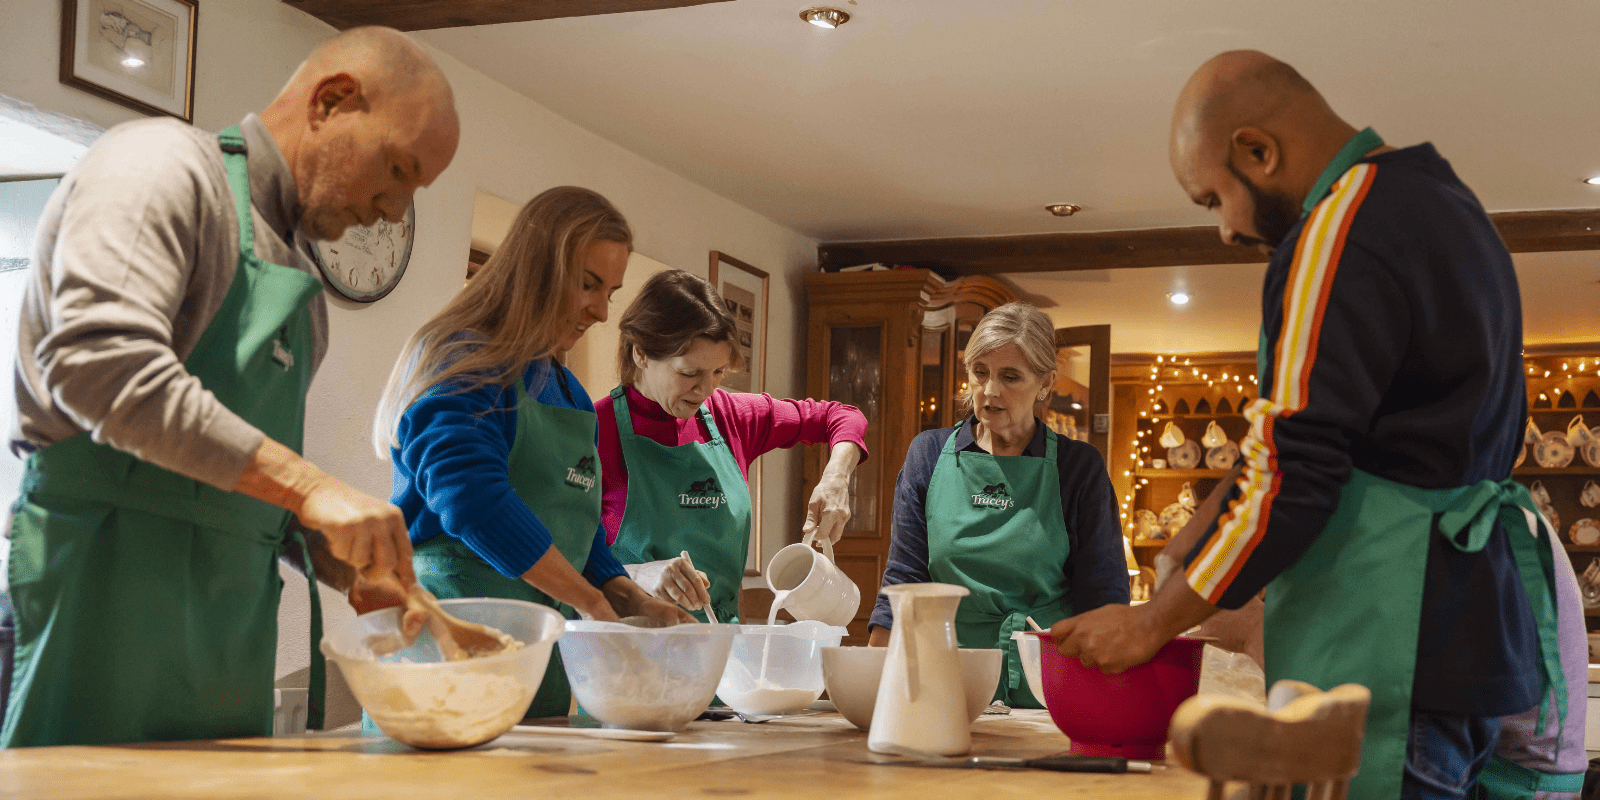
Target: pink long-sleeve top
x: 752, y: 423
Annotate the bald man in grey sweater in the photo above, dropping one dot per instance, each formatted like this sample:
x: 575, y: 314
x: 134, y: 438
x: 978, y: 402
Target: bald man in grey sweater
x: 159, y: 311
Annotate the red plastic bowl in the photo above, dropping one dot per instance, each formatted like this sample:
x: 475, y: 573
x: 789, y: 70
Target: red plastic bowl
x: 1119, y: 715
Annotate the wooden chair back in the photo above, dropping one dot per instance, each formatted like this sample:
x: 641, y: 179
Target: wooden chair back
x: 1304, y: 735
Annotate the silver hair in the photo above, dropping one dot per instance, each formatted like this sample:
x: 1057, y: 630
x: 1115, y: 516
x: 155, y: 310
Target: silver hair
x: 1021, y: 324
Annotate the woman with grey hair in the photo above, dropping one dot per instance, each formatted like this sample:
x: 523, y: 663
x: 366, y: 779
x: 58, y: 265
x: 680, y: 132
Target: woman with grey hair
x: 1002, y: 505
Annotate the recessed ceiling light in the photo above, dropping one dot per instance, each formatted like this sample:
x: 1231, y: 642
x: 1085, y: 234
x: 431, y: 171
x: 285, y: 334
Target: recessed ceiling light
x: 1063, y: 209
x: 1178, y: 298
x: 822, y: 17
x: 1595, y: 181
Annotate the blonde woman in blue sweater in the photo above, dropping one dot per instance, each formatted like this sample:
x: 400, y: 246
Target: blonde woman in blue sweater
x: 493, y: 440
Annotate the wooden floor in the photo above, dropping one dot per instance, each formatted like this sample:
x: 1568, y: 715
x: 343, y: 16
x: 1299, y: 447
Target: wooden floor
x: 798, y: 757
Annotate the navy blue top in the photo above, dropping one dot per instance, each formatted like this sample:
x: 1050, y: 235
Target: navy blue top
x: 1096, y: 572
x: 452, y: 473
x: 1414, y: 375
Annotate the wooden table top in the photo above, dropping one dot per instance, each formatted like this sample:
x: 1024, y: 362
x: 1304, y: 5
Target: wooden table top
x: 799, y: 757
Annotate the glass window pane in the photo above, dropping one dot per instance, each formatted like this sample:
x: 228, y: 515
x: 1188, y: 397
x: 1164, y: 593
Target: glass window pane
x: 932, y: 402
x: 855, y: 376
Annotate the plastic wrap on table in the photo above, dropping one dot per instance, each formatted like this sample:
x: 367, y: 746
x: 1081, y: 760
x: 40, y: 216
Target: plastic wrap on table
x: 1233, y: 675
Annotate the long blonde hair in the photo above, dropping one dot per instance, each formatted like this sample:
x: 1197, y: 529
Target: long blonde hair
x: 512, y: 310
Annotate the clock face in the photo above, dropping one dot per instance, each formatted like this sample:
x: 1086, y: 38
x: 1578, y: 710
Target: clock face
x: 366, y: 262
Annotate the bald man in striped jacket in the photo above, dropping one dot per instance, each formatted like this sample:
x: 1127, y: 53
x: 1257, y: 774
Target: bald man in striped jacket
x: 1375, y: 510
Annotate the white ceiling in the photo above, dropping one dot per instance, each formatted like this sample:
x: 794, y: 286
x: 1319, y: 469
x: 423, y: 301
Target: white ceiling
x: 925, y: 118
x: 935, y: 118
x: 1560, y: 292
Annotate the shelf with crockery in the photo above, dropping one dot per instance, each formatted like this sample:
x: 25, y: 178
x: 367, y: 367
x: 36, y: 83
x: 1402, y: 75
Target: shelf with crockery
x: 1560, y: 460
x: 1174, y: 413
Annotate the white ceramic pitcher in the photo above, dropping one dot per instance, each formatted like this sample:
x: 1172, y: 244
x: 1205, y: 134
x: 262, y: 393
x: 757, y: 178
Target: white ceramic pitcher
x: 921, y: 701
x: 817, y: 588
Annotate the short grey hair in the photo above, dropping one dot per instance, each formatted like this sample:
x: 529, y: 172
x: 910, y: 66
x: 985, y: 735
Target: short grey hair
x: 1021, y: 324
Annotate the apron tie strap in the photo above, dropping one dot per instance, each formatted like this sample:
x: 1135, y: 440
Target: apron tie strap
x: 1009, y: 624
x: 316, y: 694
x: 1509, y: 502
x: 1013, y: 622
x: 1476, y: 510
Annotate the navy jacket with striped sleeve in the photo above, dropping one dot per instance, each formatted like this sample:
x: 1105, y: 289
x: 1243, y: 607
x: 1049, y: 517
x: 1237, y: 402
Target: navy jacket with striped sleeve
x: 1394, y: 346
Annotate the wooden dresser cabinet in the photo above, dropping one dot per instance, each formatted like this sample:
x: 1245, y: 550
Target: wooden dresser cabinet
x: 889, y: 343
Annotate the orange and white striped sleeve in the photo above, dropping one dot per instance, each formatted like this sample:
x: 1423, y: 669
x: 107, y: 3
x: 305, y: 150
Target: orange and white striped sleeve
x: 1336, y: 324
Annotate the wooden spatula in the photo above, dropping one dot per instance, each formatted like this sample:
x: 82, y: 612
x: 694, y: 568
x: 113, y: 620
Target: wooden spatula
x: 457, y: 639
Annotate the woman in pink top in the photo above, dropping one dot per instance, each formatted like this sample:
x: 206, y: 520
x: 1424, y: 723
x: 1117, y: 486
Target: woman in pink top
x: 675, y: 450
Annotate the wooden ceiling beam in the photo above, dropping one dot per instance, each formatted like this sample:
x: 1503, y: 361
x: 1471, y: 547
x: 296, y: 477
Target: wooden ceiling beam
x: 421, y: 15
x: 1523, y: 232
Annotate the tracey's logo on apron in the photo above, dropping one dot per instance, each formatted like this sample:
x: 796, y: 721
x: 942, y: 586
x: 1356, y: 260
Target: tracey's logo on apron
x: 703, y: 494
x: 581, y: 475
x: 994, y: 496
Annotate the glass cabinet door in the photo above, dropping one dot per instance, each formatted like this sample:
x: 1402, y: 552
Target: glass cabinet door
x: 855, y: 376
x: 933, y: 404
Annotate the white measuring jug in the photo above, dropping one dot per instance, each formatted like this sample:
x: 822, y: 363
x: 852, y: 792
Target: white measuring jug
x: 921, y: 700
x: 817, y: 588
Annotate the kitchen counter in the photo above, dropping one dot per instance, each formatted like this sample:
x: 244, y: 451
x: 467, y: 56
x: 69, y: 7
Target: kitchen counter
x: 800, y: 757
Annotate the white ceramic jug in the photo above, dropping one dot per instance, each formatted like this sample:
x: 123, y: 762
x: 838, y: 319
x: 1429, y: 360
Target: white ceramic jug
x: 921, y: 702
x: 817, y: 589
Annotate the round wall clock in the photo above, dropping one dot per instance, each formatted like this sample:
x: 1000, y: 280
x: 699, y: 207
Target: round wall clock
x: 367, y: 262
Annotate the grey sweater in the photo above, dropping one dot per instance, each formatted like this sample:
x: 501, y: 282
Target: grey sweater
x: 135, y: 252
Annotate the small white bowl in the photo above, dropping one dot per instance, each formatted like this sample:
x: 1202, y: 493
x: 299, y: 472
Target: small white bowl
x: 852, y: 675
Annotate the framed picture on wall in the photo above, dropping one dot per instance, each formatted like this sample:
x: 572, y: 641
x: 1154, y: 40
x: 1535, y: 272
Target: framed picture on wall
x: 138, y: 53
x: 744, y: 291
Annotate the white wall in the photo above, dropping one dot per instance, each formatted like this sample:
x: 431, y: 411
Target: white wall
x: 511, y: 148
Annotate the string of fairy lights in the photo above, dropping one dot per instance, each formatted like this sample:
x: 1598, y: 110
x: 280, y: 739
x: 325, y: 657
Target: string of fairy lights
x: 1550, y: 376
x: 1164, y: 370
x: 1545, y: 373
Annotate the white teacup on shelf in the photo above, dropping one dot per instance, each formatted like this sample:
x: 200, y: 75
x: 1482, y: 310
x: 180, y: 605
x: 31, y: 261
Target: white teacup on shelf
x: 1171, y: 436
x: 1589, y: 496
x: 1158, y: 463
x: 1578, y: 434
x: 1531, y: 434
x: 1541, y: 495
x: 1213, y: 437
x: 1186, y: 495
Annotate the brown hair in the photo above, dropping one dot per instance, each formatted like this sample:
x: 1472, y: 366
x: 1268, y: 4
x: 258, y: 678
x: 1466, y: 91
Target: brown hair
x: 508, y: 315
x: 672, y: 310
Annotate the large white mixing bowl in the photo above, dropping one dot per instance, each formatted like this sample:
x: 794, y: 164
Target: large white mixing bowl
x: 418, y: 698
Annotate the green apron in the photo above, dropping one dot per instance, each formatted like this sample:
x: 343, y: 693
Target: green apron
x: 1350, y: 609
x: 690, y: 497
x: 996, y: 526
x: 555, y: 469
x: 147, y: 602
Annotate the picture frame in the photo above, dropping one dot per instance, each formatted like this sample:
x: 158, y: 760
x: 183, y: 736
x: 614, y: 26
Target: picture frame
x: 743, y: 289
x: 136, y: 53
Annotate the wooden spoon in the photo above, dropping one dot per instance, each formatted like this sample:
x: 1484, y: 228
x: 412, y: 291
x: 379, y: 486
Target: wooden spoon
x: 457, y: 638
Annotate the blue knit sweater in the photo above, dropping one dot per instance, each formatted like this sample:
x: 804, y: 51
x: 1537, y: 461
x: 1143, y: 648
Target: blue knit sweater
x: 451, y: 472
